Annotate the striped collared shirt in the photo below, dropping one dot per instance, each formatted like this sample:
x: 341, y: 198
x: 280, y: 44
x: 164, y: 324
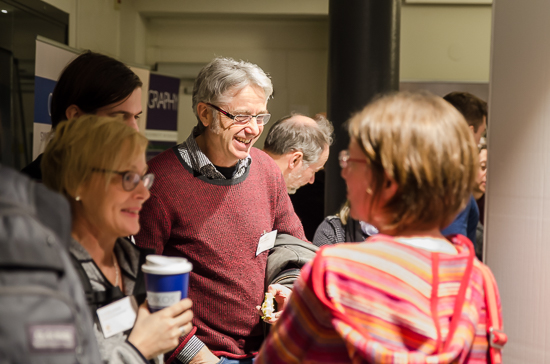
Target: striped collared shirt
x: 194, y: 157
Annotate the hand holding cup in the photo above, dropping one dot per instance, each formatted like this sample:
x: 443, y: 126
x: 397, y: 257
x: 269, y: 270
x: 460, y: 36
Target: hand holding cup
x: 166, y: 279
x: 159, y: 332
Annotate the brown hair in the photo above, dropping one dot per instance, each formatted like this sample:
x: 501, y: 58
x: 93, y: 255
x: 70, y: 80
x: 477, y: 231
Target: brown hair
x: 423, y: 144
x: 470, y: 106
x: 85, y: 143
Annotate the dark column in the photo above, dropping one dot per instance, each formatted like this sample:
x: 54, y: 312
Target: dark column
x: 363, y: 62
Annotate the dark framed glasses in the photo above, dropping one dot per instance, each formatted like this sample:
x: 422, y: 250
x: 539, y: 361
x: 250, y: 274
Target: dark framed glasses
x: 130, y: 179
x: 261, y: 119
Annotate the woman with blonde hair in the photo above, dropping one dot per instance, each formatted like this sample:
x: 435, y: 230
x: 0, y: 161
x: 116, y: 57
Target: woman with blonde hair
x: 408, y: 294
x: 99, y: 165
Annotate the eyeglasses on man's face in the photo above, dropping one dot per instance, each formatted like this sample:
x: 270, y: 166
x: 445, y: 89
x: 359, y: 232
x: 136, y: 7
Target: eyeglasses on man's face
x: 130, y: 179
x: 344, y: 159
x: 261, y: 119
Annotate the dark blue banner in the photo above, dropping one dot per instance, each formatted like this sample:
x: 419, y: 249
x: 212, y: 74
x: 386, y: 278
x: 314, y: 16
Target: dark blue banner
x: 43, y: 89
x: 162, y: 103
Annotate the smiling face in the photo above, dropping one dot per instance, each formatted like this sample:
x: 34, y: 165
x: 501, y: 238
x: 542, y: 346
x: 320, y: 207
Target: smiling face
x: 225, y: 143
x: 130, y: 109
x: 305, y: 173
x: 113, y: 212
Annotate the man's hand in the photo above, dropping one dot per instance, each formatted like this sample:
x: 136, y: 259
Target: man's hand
x: 204, y: 356
x: 281, y: 295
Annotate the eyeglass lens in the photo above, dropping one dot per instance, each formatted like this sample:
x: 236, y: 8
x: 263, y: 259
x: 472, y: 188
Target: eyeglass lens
x: 130, y: 180
x: 261, y: 119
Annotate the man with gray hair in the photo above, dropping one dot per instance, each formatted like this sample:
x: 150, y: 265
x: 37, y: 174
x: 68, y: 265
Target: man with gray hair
x: 300, y: 147
x: 220, y: 203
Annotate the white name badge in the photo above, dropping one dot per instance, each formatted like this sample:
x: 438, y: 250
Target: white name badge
x: 118, y: 316
x: 267, y: 241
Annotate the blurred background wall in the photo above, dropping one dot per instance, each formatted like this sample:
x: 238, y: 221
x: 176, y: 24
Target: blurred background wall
x: 287, y: 38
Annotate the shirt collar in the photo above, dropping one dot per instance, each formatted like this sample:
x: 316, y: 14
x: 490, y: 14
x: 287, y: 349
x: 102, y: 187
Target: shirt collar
x: 199, y: 162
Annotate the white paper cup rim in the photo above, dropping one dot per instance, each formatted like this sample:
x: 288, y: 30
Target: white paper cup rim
x: 159, y: 264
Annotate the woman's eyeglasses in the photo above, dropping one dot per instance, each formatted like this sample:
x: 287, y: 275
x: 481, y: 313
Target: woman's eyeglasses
x: 344, y: 159
x: 130, y: 179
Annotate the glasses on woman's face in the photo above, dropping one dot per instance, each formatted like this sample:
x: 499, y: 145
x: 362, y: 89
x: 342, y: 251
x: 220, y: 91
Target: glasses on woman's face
x: 130, y: 179
x: 261, y: 119
x: 344, y: 159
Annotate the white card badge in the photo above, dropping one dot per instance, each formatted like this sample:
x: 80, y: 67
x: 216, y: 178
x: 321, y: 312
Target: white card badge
x: 118, y: 316
x: 267, y: 241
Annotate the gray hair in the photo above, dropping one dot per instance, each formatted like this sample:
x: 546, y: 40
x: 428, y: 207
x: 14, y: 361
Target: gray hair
x: 287, y: 135
x: 224, y: 74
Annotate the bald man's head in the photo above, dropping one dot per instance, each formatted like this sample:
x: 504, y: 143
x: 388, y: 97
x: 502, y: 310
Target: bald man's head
x: 300, y: 146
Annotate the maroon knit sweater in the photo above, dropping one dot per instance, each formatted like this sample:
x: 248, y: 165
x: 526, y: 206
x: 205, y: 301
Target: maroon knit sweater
x: 217, y: 224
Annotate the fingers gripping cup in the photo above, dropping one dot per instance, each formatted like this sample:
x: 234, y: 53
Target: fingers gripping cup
x: 166, y: 279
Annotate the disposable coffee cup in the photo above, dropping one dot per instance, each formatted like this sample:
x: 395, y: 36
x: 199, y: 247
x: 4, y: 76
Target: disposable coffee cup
x: 166, y: 280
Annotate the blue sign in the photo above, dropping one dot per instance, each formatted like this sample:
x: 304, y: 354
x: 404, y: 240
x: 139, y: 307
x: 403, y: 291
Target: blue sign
x: 43, y: 89
x: 162, y: 103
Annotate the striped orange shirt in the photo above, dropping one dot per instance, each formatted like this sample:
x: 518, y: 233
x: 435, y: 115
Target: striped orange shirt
x: 382, y: 301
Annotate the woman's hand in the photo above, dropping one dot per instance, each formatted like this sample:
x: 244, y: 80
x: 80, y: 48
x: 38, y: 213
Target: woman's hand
x: 159, y: 332
x: 281, y: 295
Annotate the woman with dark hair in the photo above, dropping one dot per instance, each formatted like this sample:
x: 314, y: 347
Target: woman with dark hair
x: 93, y: 84
x: 408, y: 294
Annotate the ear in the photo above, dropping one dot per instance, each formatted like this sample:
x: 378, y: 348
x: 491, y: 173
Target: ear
x: 73, y: 112
x: 204, y: 114
x: 388, y: 190
x: 471, y: 128
x: 295, y: 159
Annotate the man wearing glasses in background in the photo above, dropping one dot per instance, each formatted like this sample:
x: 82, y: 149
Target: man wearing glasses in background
x: 220, y: 203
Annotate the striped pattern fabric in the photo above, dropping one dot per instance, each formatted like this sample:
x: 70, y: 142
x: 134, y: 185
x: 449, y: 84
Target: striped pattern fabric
x: 382, y: 303
x: 193, y: 156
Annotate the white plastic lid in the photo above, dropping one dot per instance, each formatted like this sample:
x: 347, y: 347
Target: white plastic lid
x: 159, y: 264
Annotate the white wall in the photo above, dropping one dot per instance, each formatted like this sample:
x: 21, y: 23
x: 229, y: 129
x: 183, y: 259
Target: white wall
x: 287, y: 38
x: 293, y: 52
x: 105, y: 27
x: 240, y: 7
x: 518, y: 186
x: 438, y: 43
x: 445, y: 43
x: 68, y: 6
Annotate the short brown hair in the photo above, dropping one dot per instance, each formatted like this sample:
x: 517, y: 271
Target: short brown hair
x: 470, y: 106
x: 423, y: 144
x: 82, y: 144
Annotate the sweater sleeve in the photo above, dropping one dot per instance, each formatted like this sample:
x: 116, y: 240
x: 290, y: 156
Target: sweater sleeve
x: 189, y: 346
x: 155, y: 225
x: 327, y: 234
